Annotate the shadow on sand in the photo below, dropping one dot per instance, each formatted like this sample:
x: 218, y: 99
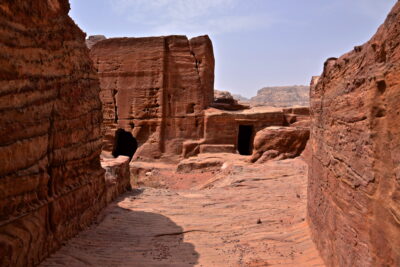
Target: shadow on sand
x: 126, y: 237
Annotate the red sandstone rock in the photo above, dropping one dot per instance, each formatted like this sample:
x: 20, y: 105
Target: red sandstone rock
x: 354, y: 177
x: 51, y: 181
x: 161, y: 85
x: 279, y: 143
x: 117, y: 176
x: 224, y: 100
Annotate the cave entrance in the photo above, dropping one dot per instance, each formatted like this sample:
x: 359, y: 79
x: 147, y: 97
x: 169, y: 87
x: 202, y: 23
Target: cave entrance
x: 124, y: 144
x: 245, y: 135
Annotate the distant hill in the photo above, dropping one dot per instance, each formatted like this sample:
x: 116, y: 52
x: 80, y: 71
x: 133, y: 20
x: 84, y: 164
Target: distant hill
x: 282, y: 96
x: 240, y: 98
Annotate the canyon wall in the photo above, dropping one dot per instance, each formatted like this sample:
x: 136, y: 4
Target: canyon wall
x: 156, y: 88
x: 354, y: 177
x: 51, y: 181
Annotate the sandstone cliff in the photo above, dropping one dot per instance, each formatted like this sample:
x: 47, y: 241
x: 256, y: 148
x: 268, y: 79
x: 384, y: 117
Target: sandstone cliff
x: 354, y: 177
x: 156, y: 88
x: 51, y: 181
x: 282, y: 96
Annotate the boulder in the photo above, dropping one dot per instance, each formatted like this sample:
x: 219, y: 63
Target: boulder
x: 279, y: 143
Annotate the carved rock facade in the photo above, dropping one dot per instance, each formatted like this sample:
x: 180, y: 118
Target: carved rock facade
x: 156, y: 88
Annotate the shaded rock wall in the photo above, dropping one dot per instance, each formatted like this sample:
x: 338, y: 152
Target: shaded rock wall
x: 51, y: 181
x: 354, y: 177
x: 161, y: 85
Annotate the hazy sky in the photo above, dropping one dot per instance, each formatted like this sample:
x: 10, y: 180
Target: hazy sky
x: 257, y: 43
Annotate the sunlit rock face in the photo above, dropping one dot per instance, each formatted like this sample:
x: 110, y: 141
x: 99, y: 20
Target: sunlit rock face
x: 354, y: 177
x: 51, y: 181
x: 156, y: 88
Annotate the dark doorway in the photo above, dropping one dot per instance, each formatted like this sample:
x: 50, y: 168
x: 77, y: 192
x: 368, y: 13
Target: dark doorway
x: 124, y: 144
x: 245, y: 145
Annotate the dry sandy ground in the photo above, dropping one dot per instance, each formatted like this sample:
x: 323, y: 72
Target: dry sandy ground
x: 247, y: 215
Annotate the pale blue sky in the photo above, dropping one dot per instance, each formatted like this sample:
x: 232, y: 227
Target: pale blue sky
x: 257, y: 43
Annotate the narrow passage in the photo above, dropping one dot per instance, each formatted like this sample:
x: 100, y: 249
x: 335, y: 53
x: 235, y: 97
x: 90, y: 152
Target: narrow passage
x: 249, y: 215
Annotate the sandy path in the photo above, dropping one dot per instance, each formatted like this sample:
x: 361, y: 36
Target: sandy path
x: 217, y: 226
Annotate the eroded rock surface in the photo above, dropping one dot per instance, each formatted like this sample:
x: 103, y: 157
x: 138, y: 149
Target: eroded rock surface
x: 117, y: 176
x: 354, y: 181
x: 158, y: 85
x: 279, y: 143
x: 51, y: 181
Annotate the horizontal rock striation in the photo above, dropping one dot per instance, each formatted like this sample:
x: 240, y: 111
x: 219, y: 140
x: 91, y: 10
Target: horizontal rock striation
x: 51, y: 181
x: 156, y: 88
x: 354, y: 177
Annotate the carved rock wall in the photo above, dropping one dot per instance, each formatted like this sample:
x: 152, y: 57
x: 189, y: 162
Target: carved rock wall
x: 51, y: 181
x: 159, y: 85
x: 221, y: 128
x: 354, y: 177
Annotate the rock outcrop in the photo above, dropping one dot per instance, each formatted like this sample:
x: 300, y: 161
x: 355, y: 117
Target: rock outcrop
x: 94, y: 39
x: 279, y: 143
x: 117, y: 176
x: 354, y: 177
x: 156, y: 88
x: 51, y: 181
x: 224, y: 100
x: 282, y: 96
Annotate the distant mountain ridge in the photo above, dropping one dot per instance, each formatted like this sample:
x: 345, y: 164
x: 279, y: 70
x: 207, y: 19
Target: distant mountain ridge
x: 282, y: 96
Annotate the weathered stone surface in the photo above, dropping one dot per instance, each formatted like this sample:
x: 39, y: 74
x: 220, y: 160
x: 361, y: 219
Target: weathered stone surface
x: 161, y: 85
x: 224, y: 100
x: 297, y: 115
x: 279, y: 143
x: 51, y: 181
x: 117, y: 176
x: 207, y: 162
x: 354, y: 177
x: 282, y: 96
x: 217, y: 148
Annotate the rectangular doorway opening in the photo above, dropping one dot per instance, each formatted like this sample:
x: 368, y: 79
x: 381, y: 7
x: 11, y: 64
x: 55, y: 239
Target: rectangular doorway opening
x: 245, y: 140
